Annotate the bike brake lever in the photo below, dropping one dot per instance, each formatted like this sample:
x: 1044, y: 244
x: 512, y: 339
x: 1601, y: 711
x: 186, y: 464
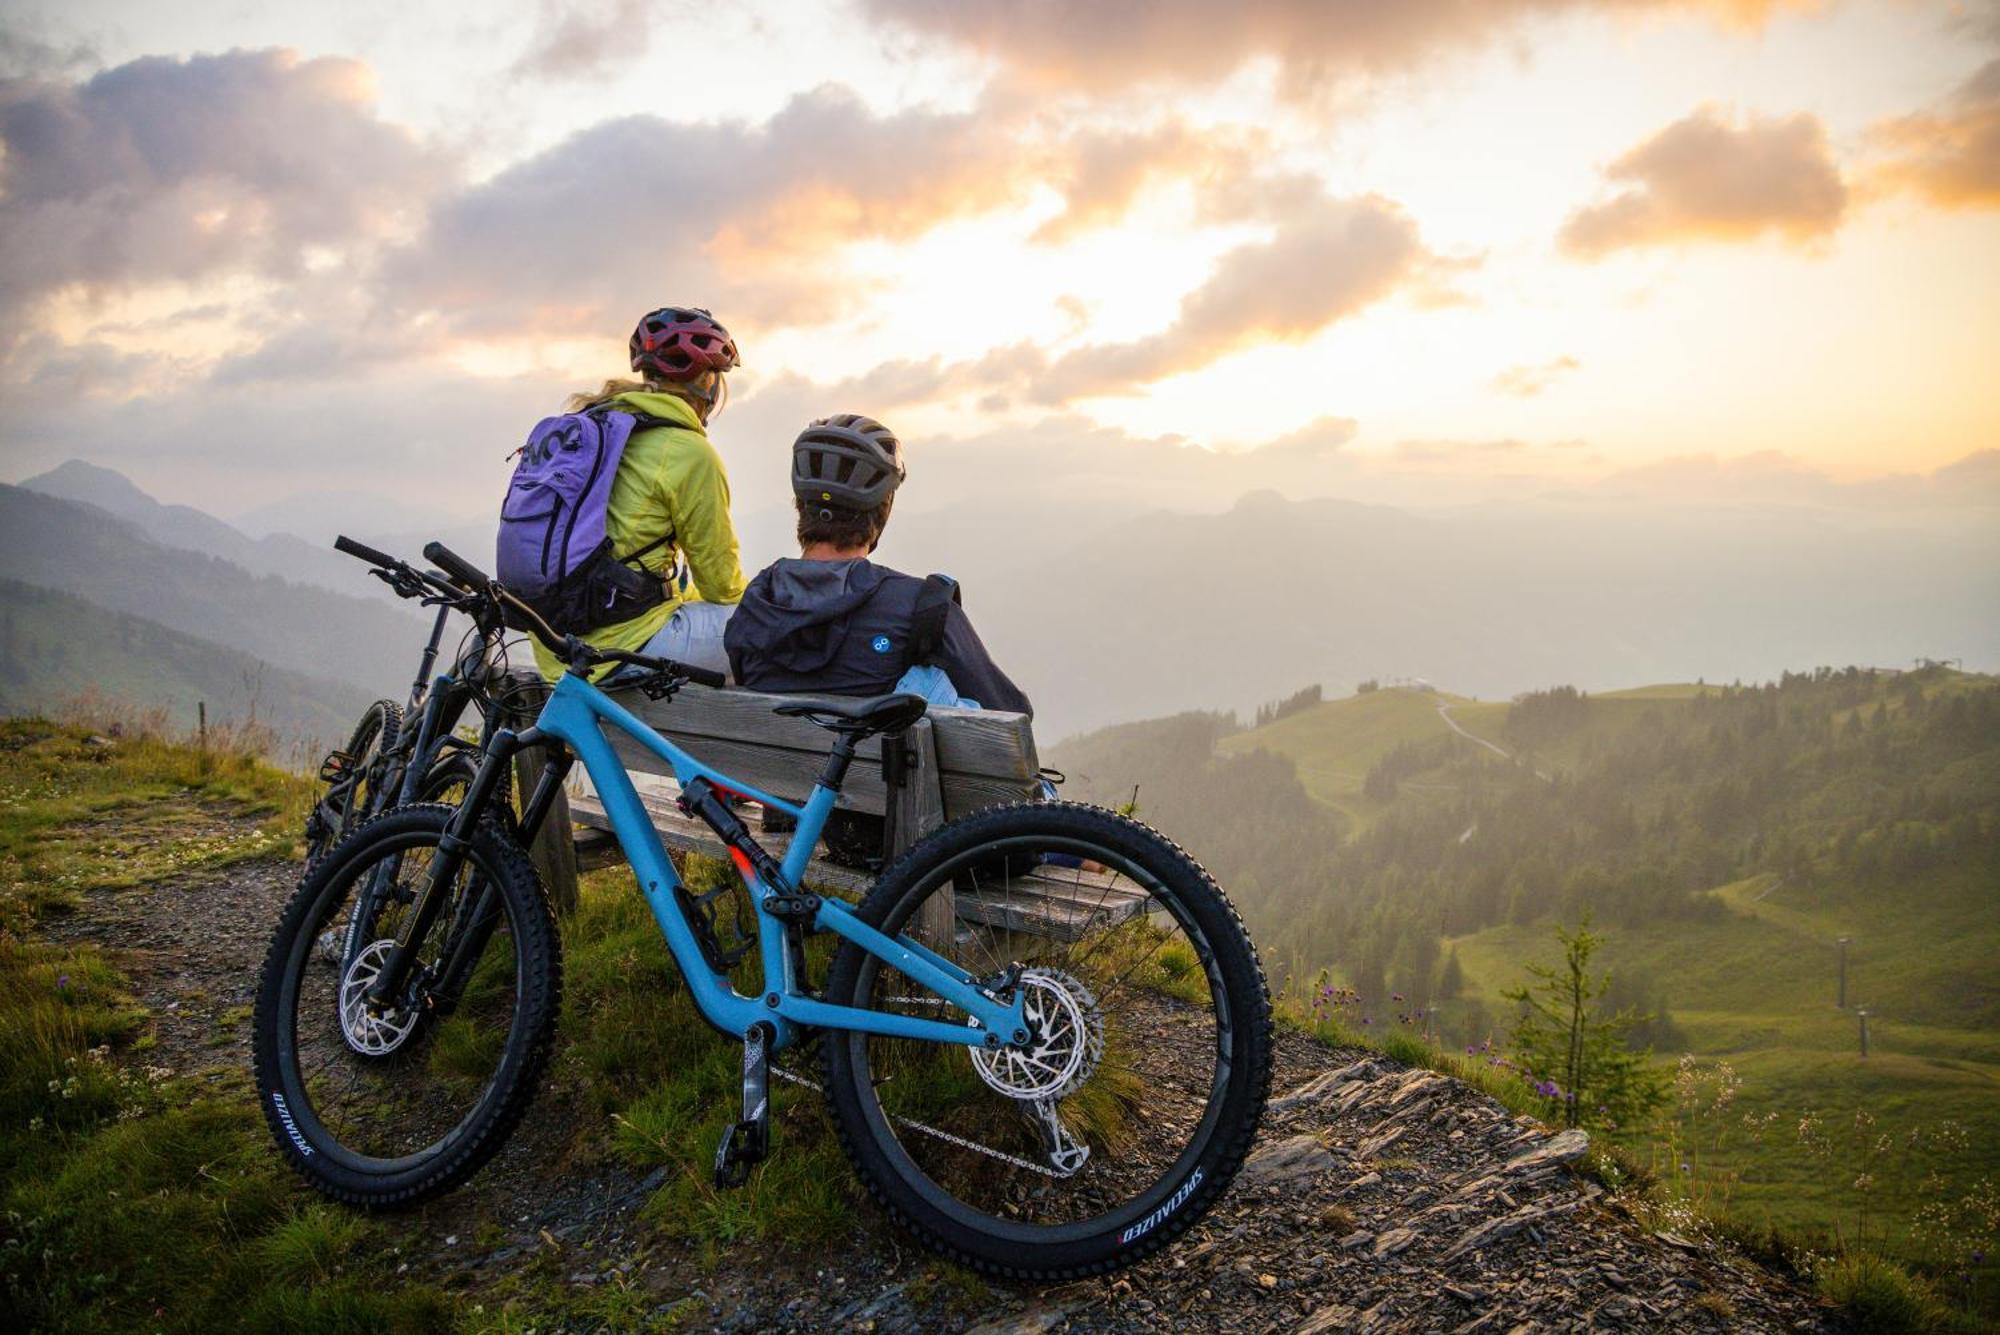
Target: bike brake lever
x: 660, y: 685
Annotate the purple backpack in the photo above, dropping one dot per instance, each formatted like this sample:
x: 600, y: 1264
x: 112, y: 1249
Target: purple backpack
x: 554, y: 552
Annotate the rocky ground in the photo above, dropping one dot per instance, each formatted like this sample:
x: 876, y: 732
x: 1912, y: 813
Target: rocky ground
x: 1380, y: 1198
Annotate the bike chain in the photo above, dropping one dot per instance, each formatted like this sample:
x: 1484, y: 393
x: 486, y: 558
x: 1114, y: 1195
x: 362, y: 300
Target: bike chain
x: 915, y: 1125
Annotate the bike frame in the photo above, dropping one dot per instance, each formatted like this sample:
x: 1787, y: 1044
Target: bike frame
x: 577, y: 714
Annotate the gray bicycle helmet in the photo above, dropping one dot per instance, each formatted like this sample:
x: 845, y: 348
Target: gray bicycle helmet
x: 847, y: 462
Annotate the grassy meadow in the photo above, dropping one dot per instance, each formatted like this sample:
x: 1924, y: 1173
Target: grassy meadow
x: 1724, y: 838
x: 138, y: 1195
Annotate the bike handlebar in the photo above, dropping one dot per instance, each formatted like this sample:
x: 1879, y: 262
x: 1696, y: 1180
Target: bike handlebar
x: 579, y: 655
x: 571, y: 649
x: 456, y: 566
x: 343, y: 543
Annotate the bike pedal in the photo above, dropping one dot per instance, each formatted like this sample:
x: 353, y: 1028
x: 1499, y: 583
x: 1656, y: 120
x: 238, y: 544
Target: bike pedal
x: 335, y: 766
x: 743, y: 1144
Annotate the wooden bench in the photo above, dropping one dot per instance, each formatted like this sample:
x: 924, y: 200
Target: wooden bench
x: 952, y: 762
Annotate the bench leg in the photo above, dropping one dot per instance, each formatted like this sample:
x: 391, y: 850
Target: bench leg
x: 553, y: 850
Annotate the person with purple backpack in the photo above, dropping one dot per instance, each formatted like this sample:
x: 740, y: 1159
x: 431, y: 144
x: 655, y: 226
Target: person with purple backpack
x: 616, y: 523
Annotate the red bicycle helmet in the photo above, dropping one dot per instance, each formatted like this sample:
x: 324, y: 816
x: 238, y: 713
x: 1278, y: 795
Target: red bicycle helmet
x: 681, y: 343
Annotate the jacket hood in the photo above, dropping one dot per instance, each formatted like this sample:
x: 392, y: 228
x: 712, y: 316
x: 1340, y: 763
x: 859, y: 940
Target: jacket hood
x: 669, y: 406
x: 800, y: 611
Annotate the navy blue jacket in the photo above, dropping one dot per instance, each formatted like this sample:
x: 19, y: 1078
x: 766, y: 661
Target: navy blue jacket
x: 844, y: 628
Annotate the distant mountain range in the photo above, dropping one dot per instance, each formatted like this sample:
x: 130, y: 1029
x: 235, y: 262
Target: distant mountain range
x: 1166, y: 612
x: 1104, y: 615
x: 56, y: 648
x: 367, y: 642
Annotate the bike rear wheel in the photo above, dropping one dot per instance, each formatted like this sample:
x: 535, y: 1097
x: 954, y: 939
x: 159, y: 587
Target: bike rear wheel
x: 1129, y: 1114
x: 392, y: 1108
x: 361, y: 793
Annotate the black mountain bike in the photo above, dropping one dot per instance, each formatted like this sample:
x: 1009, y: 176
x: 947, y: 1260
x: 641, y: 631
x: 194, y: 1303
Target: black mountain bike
x: 406, y: 753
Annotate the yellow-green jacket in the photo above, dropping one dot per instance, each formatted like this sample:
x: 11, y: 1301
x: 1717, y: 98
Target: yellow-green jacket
x: 669, y: 485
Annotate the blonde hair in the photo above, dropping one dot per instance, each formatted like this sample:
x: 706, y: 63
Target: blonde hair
x: 705, y: 394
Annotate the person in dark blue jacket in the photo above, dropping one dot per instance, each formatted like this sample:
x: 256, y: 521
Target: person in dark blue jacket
x: 833, y: 622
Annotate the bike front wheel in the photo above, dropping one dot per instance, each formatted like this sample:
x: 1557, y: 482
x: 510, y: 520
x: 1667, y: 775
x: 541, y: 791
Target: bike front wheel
x: 1131, y: 1110
x: 390, y: 1106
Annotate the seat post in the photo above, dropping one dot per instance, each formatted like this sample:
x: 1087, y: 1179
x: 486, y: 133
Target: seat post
x: 834, y: 773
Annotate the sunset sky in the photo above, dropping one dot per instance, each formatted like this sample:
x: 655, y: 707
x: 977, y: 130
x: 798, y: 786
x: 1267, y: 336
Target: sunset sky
x: 1425, y: 251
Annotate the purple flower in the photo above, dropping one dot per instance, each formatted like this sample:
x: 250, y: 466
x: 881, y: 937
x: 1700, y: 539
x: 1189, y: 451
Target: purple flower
x: 1468, y: 1049
x: 62, y: 982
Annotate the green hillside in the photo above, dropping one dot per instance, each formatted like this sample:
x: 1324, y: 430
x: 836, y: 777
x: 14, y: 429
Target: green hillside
x: 1334, y: 745
x: 367, y: 639
x: 1723, y: 837
x: 54, y: 647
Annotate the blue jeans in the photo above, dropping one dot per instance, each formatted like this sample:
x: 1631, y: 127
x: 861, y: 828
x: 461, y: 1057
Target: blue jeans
x: 692, y: 635
x: 935, y: 685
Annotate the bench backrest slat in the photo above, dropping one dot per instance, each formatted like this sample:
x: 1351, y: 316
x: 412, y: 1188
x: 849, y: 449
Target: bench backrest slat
x: 983, y: 757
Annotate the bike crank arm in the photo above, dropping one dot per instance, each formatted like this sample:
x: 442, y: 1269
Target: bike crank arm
x: 749, y: 1141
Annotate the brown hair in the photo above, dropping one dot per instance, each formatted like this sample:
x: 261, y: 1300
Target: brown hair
x: 842, y: 528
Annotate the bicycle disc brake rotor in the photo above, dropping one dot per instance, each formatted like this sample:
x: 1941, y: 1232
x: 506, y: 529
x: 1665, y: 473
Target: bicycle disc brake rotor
x: 1063, y: 1015
x: 371, y: 1035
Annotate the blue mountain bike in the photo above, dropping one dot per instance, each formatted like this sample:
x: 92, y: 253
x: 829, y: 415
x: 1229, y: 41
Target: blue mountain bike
x: 1043, y: 1034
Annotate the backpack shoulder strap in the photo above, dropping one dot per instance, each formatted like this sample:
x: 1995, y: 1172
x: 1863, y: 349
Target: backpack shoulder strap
x: 934, y: 603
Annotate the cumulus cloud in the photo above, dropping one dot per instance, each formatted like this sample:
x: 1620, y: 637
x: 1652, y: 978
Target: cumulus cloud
x: 1525, y: 382
x: 642, y: 210
x: 1330, y: 260
x: 170, y: 170
x: 1950, y: 155
x: 1709, y: 177
x: 1058, y: 43
x: 1101, y: 173
x: 577, y: 38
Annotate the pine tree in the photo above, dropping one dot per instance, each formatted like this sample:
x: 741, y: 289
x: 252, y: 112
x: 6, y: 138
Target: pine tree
x: 1576, y: 1055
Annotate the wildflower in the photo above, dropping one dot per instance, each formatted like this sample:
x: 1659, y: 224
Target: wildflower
x: 1469, y: 1049
x: 1686, y: 1167
x: 62, y: 982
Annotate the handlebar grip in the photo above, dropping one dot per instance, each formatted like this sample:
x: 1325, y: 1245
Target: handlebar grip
x: 445, y: 559
x: 343, y: 543
x: 703, y: 676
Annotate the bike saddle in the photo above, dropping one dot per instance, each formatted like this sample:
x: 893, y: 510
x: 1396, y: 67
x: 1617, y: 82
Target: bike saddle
x: 863, y: 718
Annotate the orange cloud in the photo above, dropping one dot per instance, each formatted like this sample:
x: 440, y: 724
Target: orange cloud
x: 1525, y: 382
x: 1102, y: 173
x: 1328, y: 261
x: 1950, y: 156
x: 1708, y: 178
x: 1059, y: 43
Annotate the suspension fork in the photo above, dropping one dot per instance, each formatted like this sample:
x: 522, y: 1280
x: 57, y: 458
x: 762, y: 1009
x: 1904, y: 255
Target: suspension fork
x: 452, y: 846
x: 477, y: 920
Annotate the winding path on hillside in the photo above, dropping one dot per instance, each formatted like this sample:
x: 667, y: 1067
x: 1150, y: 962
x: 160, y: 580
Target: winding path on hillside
x: 1444, y: 712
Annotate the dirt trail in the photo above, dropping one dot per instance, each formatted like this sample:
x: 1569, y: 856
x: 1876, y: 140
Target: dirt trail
x: 1444, y: 712
x: 1380, y: 1198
